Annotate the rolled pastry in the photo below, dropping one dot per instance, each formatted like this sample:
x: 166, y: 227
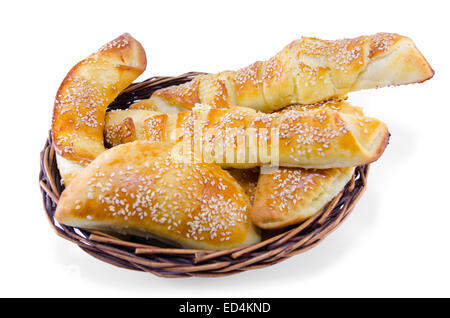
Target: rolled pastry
x: 82, y: 98
x: 289, y: 196
x: 140, y: 188
x: 334, y: 136
x: 306, y: 71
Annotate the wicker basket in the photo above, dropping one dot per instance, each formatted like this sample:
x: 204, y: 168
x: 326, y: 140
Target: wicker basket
x: 153, y: 257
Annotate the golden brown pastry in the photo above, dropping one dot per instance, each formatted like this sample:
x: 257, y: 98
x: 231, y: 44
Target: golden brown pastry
x: 247, y: 179
x: 81, y: 101
x: 334, y: 136
x: 339, y: 105
x: 289, y: 195
x: 306, y: 71
x: 140, y: 188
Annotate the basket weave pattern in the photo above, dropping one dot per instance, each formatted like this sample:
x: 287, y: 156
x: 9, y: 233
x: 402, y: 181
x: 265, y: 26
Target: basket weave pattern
x: 136, y: 254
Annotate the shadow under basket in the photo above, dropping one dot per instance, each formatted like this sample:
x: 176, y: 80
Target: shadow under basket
x: 168, y: 261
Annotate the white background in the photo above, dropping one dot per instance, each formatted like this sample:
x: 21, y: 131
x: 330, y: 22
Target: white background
x: 396, y: 241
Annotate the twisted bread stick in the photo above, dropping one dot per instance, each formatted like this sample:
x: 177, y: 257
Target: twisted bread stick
x: 306, y: 71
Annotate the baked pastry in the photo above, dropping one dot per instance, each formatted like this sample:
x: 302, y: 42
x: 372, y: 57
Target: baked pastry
x: 140, y: 188
x: 306, y: 71
x: 289, y: 195
x: 339, y: 105
x: 163, y: 175
x: 320, y: 137
x: 82, y: 98
x: 247, y: 179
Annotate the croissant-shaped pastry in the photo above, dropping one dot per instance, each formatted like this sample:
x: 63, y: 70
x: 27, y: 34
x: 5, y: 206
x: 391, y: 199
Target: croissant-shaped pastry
x: 81, y: 101
x: 140, y: 188
x: 321, y: 137
x: 306, y: 71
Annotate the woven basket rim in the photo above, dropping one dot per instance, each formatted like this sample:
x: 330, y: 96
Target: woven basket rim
x: 179, y: 262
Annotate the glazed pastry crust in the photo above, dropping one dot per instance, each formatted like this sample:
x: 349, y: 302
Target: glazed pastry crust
x: 247, y: 179
x: 330, y: 135
x: 289, y: 196
x: 140, y: 188
x: 81, y: 101
x: 306, y: 71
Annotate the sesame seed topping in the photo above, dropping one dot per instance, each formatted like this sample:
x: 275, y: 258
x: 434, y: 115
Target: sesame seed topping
x: 157, y: 191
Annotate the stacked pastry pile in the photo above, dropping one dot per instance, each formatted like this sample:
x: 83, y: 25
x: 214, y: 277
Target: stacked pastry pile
x: 156, y: 169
